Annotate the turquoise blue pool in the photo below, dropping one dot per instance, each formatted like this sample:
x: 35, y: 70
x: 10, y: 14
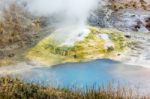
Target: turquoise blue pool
x: 89, y: 74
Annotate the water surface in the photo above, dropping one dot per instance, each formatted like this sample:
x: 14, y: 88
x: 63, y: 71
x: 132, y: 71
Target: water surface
x: 90, y: 74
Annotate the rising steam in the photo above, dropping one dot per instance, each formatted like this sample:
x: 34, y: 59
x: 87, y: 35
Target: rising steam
x: 72, y: 14
x: 71, y: 11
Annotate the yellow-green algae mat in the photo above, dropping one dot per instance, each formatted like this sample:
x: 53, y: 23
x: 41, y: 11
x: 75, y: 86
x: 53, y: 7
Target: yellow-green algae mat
x: 49, y: 52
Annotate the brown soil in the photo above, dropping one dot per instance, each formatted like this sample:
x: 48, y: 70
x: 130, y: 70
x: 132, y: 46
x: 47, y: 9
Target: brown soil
x: 123, y: 4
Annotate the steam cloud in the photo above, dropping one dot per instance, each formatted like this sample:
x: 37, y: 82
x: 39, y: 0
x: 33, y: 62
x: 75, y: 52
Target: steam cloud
x: 72, y: 14
x: 69, y: 11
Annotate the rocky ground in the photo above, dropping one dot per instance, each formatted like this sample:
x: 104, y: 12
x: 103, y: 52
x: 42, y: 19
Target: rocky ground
x: 127, y: 18
x: 130, y: 20
x: 139, y: 52
x: 132, y: 17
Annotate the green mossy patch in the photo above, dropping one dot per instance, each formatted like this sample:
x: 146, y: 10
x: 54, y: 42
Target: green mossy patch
x: 49, y: 52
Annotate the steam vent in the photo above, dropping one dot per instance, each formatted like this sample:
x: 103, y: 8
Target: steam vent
x: 97, y: 43
x: 74, y: 49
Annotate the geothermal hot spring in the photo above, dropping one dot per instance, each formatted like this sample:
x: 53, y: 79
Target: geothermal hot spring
x: 130, y: 72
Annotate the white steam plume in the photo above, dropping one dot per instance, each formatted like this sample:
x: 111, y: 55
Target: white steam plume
x: 72, y: 14
x: 71, y: 11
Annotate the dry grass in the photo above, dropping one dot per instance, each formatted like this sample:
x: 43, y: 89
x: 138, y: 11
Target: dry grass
x: 18, y: 32
x: 16, y: 89
x: 15, y: 26
x: 6, y: 62
x: 18, y: 26
x: 133, y: 4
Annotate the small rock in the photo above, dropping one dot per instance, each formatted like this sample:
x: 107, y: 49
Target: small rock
x: 127, y: 36
x: 118, y: 54
x: 147, y: 22
x: 11, y: 55
x: 104, y: 37
x: 109, y: 45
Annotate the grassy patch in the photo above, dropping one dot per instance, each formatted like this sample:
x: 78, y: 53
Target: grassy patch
x: 16, y: 89
x: 6, y: 62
